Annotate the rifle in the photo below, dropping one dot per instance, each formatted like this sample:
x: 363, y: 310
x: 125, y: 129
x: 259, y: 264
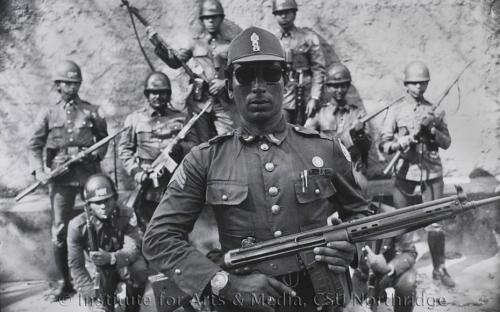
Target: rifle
x: 300, y: 113
x: 105, y: 277
x: 164, y: 160
x: 398, y: 154
x: 267, y: 257
x: 66, y: 165
x: 157, y: 40
x: 369, y: 117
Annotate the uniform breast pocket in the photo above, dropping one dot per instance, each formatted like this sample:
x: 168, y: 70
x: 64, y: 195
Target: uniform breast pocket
x: 318, y: 187
x: 57, y: 130
x: 234, y: 218
x: 313, y: 200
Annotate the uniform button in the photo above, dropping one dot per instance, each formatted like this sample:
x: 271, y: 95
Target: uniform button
x: 273, y: 191
x: 69, y: 121
x: 177, y: 271
x: 68, y: 112
x: 71, y: 139
x: 224, y: 197
x: 275, y: 209
x: 70, y: 130
x: 264, y: 147
x: 269, y: 166
x: 317, y: 191
x: 277, y: 234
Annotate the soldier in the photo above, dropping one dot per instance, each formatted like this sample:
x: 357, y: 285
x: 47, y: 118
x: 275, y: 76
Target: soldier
x: 413, y: 128
x: 392, y: 266
x: 64, y: 129
x: 305, y: 60
x: 251, y: 179
x: 341, y: 118
x: 209, y: 52
x: 151, y: 129
x: 115, y: 233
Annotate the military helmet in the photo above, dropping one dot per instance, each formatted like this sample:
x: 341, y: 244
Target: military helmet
x: 157, y: 81
x: 99, y: 187
x: 255, y: 44
x: 282, y: 5
x: 211, y: 8
x: 338, y: 73
x: 68, y: 71
x: 416, y: 72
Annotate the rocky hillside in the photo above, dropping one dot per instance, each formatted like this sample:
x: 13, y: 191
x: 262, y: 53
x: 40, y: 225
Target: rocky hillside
x: 375, y: 39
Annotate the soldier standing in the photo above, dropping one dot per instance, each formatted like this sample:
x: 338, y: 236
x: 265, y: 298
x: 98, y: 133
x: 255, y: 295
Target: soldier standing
x: 116, y: 237
x: 63, y: 130
x: 150, y: 130
x: 209, y: 53
x: 305, y: 60
x: 413, y: 128
x: 341, y: 118
x: 252, y: 179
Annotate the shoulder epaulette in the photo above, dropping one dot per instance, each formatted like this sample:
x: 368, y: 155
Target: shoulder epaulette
x: 311, y: 132
x: 221, y: 137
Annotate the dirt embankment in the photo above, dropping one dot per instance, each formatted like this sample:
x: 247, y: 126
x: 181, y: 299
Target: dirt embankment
x: 374, y: 38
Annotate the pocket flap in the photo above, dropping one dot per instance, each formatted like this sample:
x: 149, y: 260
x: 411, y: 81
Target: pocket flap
x: 317, y: 187
x: 226, y: 193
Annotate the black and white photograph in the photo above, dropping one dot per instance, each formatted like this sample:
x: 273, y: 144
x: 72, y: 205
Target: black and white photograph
x: 260, y: 155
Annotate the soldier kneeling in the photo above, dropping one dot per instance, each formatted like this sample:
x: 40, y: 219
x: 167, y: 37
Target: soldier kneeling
x: 104, y: 249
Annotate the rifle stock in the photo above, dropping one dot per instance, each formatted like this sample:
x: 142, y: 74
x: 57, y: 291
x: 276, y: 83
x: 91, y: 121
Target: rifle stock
x: 65, y: 166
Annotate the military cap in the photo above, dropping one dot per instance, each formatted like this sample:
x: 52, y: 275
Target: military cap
x: 255, y: 44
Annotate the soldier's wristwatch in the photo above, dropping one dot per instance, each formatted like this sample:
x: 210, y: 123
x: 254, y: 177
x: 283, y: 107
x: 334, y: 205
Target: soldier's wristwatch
x: 219, y: 281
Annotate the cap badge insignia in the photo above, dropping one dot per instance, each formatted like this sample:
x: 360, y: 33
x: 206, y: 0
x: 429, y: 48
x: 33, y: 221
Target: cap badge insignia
x: 255, y: 42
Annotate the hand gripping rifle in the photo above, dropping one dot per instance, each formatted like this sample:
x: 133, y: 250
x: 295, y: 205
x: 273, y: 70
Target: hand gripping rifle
x: 66, y: 166
x: 157, y: 40
x: 105, y: 277
x: 164, y: 160
x: 398, y: 154
x: 266, y: 257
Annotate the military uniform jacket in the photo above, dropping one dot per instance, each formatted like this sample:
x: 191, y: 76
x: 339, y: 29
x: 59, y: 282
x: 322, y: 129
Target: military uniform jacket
x: 64, y: 129
x: 148, y: 134
x: 204, y: 51
x: 338, y: 120
x: 253, y: 185
x: 307, y: 56
x: 119, y: 234
x: 422, y: 162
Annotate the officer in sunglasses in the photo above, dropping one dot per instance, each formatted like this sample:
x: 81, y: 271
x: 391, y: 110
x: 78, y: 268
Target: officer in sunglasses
x: 264, y: 180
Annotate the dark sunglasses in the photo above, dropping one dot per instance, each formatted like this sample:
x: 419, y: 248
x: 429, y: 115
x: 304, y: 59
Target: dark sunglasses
x: 160, y: 92
x: 247, y: 74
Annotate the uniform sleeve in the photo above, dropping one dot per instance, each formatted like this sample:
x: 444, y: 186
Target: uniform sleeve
x: 362, y: 139
x: 37, y: 142
x: 442, y: 136
x: 127, y: 146
x: 170, y: 59
x: 100, y: 132
x: 317, y: 59
x: 348, y: 194
x: 76, y: 256
x: 389, y: 129
x: 166, y: 244
x: 131, y: 244
x: 406, y: 253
